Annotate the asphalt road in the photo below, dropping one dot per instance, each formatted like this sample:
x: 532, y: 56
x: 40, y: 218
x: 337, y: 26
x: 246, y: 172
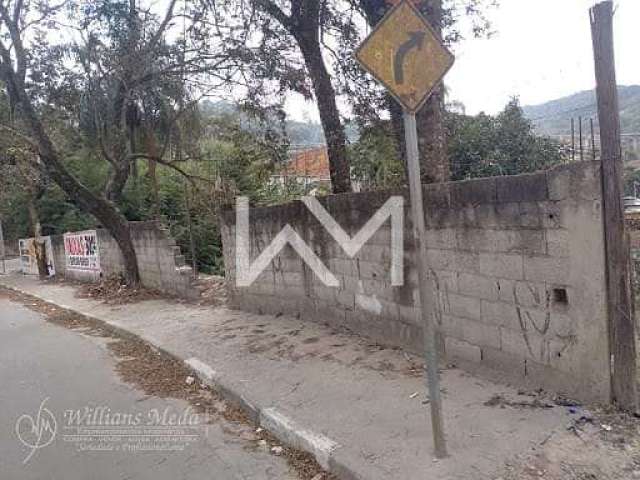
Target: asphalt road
x: 132, y: 435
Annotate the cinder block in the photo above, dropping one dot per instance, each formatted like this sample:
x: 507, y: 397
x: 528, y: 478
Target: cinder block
x: 345, y: 299
x: 487, y: 215
x: 441, y: 259
x: 553, y: 215
x: 509, y: 266
x: 478, y: 286
x: 503, y: 361
x: 375, y: 271
x: 473, y: 192
x: 466, y: 262
x: 322, y: 292
x: 294, y: 265
x: 437, y: 196
x: 502, y: 241
x: 342, y: 267
x: 562, y: 353
x: 326, y: 312
x: 546, y: 269
x: 408, y: 314
x: 445, y: 281
x: 465, y: 217
x: 558, y: 243
x: 456, y: 349
x: 529, y: 294
x: 471, y: 331
x: 530, y: 215
x: 462, y: 306
x: 382, y: 237
x: 576, y: 181
x: 529, y: 242
x: 260, y: 288
x: 443, y: 239
x: 522, y: 188
x: 284, y: 279
x: 563, y: 327
x: 500, y: 314
x: 527, y: 344
x: 375, y: 253
x: 266, y: 277
x: 549, y: 378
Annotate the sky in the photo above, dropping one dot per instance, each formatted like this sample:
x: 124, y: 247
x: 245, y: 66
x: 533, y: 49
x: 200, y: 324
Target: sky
x: 541, y: 51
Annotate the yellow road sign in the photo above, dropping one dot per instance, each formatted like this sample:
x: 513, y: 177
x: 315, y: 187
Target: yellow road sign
x: 405, y: 54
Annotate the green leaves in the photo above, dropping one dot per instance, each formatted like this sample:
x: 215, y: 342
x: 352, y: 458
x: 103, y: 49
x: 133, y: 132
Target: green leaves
x: 502, y: 145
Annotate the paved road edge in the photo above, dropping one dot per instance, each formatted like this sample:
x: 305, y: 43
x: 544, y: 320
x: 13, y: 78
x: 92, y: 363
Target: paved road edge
x: 325, y: 451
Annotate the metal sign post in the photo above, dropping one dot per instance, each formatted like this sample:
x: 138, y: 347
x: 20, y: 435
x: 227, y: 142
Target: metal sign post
x: 427, y: 297
x: 406, y: 55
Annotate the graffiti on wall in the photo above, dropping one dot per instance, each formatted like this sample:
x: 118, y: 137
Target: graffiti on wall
x: 81, y: 251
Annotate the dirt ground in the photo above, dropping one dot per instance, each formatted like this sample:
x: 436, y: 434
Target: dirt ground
x: 598, y: 444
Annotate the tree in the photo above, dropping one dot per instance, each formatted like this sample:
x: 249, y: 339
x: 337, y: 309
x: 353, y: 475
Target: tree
x: 502, y: 145
x: 443, y: 16
x: 374, y: 158
x: 118, y: 78
x: 277, y: 25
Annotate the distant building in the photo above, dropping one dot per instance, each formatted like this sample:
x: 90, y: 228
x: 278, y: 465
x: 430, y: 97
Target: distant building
x: 309, y: 167
x: 306, y: 167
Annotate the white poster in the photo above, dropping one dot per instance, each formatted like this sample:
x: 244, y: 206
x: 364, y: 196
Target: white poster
x: 81, y: 251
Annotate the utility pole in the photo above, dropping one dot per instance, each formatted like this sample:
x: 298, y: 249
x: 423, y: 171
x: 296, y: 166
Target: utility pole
x: 622, y: 334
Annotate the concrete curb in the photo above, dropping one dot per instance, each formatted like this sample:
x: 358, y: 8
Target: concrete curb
x: 324, y: 450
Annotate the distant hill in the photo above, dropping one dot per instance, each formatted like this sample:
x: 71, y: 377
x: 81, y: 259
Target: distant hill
x: 300, y: 134
x: 554, y: 118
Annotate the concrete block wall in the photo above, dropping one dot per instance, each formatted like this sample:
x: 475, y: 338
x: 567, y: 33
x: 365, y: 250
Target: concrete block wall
x: 518, y: 264
x: 160, y: 261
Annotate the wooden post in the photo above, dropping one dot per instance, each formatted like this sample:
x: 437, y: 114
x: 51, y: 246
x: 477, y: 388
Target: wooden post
x: 192, y: 240
x: 581, y: 145
x: 622, y: 334
x: 593, y: 141
x: 573, y: 139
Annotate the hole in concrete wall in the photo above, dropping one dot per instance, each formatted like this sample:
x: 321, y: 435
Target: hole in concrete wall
x: 560, y: 296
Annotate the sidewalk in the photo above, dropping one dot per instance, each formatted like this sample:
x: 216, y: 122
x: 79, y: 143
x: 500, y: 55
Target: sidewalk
x: 356, y: 406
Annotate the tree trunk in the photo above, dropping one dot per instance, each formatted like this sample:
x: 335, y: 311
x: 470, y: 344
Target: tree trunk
x: 328, y: 108
x: 39, y: 246
x: 103, y: 210
x: 117, y: 181
x: 432, y: 141
x: 397, y: 124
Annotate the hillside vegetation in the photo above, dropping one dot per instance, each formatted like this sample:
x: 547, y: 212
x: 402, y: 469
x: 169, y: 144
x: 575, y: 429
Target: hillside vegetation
x: 554, y: 117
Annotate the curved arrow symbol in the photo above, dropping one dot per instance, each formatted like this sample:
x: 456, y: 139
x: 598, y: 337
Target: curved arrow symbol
x: 416, y: 40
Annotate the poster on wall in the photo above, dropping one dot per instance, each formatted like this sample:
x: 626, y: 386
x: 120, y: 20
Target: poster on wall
x: 28, y: 259
x: 81, y: 251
